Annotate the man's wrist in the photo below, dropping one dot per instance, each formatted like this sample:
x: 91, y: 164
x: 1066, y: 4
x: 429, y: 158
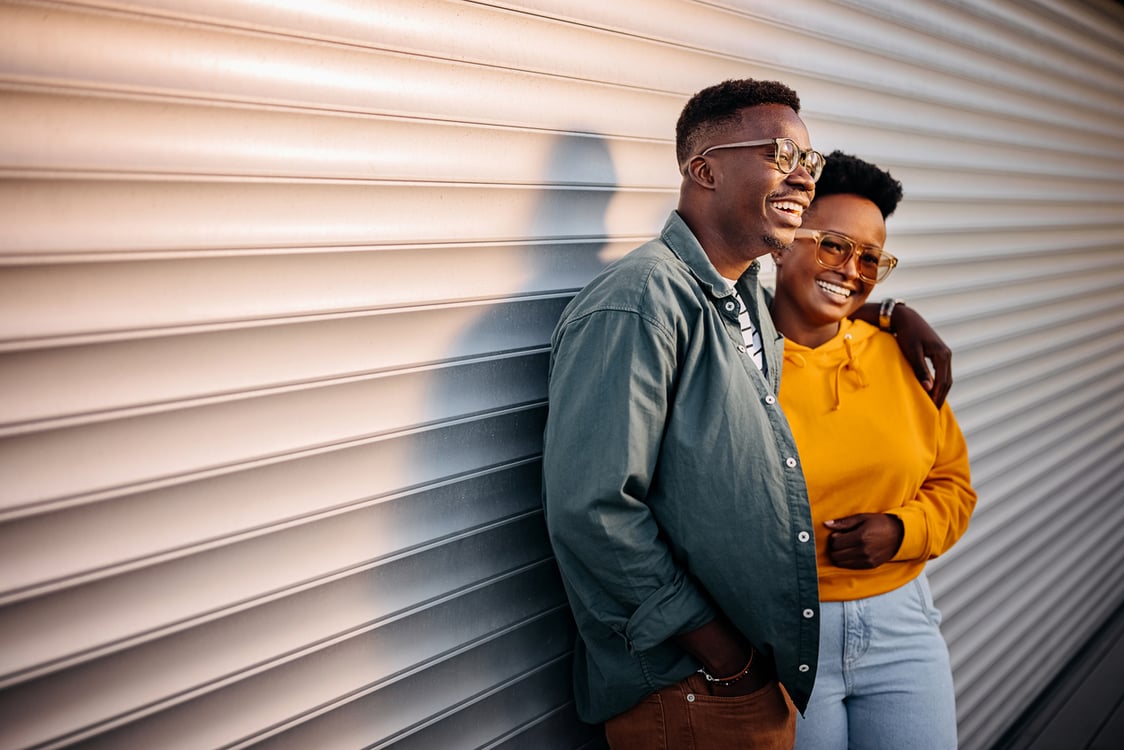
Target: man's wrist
x: 718, y: 647
x: 727, y: 681
x: 886, y: 313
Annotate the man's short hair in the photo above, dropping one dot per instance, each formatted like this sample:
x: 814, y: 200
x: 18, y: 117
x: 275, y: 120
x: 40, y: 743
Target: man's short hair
x: 716, y: 108
x: 849, y: 175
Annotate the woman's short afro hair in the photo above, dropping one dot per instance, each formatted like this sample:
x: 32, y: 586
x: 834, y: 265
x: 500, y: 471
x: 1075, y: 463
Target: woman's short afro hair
x: 850, y: 175
x: 718, y: 106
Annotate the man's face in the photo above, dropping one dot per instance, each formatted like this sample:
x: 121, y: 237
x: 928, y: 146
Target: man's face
x: 824, y: 296
x: 756, y: 201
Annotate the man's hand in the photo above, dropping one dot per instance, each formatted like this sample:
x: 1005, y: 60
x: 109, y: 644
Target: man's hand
x: 718, y: 645
x: 864, y: 541
x: 919, y: 342
x: 724, y: 652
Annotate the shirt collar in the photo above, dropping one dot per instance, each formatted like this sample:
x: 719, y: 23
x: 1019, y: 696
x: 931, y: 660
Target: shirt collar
x: 679, y: 237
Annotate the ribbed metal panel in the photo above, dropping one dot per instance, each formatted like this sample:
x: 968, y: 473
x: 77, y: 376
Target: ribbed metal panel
x: 276, y: 286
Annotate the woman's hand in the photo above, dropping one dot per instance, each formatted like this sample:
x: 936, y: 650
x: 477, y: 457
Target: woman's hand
x: 864, y: 541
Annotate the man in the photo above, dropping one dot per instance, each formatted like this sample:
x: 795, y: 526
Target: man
x: 672, y: 488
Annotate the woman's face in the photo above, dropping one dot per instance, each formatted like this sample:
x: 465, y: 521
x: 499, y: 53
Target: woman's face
x: 823, y: 296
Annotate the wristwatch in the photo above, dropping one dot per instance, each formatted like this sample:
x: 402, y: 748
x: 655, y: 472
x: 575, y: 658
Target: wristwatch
x: 886, y: 313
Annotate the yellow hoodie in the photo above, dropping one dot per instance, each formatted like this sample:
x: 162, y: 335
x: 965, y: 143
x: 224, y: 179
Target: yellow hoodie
x: 871, y: 441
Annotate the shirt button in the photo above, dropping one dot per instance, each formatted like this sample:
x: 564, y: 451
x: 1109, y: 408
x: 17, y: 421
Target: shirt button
x: 803, y: 667
x: 803, y: 536
x: 770, y: 399
x: 790, y: 462
x: 741, y: 349
x: 730, y: 306
x: 809, y: 614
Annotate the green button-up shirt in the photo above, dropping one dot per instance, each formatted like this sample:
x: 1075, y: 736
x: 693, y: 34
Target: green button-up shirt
x: 671, y: 482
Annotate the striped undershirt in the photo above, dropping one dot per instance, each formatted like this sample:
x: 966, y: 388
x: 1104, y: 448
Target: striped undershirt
x: 750, y: 333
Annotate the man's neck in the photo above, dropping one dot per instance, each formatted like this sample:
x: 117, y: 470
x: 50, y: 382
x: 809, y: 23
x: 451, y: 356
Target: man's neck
x: 728, y: 258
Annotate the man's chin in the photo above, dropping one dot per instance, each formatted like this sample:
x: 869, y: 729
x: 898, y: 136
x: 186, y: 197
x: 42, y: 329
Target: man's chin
x: 778, y: 243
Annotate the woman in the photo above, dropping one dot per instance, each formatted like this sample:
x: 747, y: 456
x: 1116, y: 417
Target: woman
x: 887, y: 474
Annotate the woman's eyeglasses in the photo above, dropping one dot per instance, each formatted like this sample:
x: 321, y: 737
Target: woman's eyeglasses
x: 833, y: 250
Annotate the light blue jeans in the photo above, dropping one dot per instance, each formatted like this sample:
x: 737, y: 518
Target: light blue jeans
x: 884, y: 679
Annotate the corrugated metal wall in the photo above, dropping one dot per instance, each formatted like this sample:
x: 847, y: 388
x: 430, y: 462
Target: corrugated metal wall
x: 276, y: 285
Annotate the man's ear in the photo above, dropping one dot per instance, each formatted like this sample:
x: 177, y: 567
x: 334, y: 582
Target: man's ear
x: 699, y: 171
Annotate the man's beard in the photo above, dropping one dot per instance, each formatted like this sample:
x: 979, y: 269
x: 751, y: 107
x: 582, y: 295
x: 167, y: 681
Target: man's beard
x: 774, y: 243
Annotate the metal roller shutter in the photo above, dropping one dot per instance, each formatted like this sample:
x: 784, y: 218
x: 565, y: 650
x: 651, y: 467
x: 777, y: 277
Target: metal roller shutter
x: 276, y: 286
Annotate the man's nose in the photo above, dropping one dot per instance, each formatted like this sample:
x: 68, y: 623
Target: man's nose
x: 803, y: 178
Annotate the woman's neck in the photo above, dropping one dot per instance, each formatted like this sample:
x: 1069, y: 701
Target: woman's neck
x: 796, y: 327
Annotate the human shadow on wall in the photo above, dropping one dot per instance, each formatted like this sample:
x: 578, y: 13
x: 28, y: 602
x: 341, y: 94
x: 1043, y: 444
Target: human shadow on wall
x: 488, y: 402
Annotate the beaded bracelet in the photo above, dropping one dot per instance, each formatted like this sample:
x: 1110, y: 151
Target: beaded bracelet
x: 724, y: 681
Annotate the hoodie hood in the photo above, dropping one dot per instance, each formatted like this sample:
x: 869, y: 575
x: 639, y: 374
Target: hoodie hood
x: 839, y: 359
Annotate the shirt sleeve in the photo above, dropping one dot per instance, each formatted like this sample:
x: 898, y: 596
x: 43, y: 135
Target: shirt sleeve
x: 938, y: 515
x: 611, y: 382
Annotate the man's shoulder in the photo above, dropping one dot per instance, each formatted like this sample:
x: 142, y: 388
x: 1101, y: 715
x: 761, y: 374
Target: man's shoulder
x: 650, y: 278
x: 653, y: 257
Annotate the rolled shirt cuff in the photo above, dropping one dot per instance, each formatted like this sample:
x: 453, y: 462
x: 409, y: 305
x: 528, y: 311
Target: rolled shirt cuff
x: 676, y: 608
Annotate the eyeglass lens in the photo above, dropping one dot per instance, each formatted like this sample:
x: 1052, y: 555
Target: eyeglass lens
x: 835, y: 251
x: 789, y: 156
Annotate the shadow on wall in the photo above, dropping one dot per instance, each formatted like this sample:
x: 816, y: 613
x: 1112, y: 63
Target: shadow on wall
x: 562, y: 246
x: 506, y: 617
x: 561, y: 249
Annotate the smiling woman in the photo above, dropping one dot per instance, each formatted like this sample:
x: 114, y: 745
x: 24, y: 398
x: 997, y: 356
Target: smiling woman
x: 882, y: 511
x: 826, y: 272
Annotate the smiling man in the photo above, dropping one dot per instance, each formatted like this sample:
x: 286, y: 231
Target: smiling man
x: 673, y: 491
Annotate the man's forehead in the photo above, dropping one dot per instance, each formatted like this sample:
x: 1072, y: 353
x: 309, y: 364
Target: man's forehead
x: 772, y: 121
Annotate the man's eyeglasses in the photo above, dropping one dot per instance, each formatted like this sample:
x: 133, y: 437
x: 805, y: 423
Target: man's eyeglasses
x: 786, y: 154
x: 834, y: 250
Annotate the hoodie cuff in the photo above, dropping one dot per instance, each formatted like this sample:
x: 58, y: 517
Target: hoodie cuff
x: 915, y: 540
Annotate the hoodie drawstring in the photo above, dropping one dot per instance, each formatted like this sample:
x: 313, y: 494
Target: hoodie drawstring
x: 852, y: 364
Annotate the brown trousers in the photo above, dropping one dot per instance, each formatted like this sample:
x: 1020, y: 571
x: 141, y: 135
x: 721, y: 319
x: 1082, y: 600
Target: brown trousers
x: 687, y: 716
